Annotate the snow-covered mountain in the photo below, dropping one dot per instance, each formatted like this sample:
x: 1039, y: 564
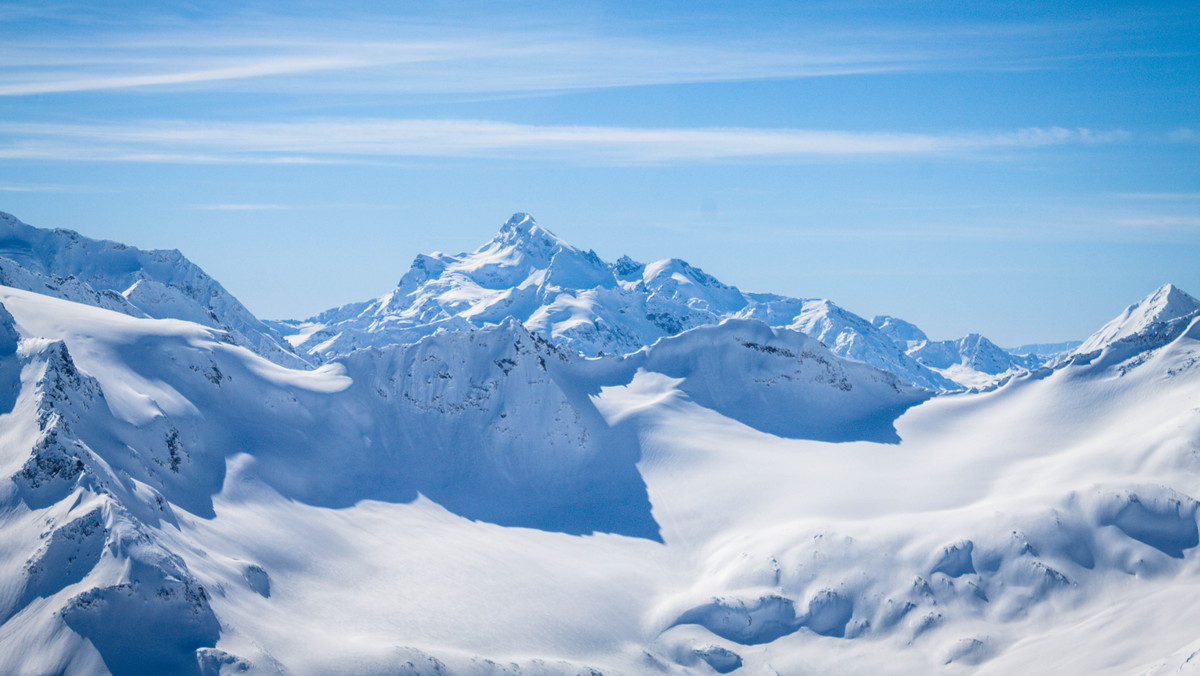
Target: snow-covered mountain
x: 526, y: 272
x: 1150, y: 323
x: 575, y: 299
x: 973, y: 360
x: 160, y: 284
x: 734, y: 498
x: 733, y: 487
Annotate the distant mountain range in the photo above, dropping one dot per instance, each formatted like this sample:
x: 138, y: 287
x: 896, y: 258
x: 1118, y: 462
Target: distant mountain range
x: 575, y: 299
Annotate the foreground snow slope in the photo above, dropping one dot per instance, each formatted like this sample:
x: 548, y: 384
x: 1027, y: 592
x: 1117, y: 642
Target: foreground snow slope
x: 575, y: 299
x: 735, y: 497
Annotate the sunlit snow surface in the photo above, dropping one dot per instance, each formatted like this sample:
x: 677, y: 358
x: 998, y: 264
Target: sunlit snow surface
x: 732, y: 498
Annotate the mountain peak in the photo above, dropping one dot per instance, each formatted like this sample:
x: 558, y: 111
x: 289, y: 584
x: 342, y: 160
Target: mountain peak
x: 899, y: 330
x: 1167, y: 304
x: 520, y: 221
x: 522, y: 226
x: 522, y: 233
x: 1170, y: 302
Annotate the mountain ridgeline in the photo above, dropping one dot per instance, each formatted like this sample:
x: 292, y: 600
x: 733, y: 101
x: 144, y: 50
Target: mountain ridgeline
x: 575, y: 299
x: 567, y: 295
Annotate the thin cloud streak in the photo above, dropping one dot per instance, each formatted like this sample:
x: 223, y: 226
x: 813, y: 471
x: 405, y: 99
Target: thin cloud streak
x: 346, y: 140
x: 243, y: 71
x: 282, y: 55
x: 16, y: 187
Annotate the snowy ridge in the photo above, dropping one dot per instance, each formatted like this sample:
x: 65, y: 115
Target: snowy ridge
x: 972, y: 361
x: 853, y: 337
x: 574, y: 299
x: 1152, y: 322
x: 160, y: 284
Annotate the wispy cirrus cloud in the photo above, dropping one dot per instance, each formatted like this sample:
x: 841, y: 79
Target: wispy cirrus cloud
x: 65, y: 80
x: 355, y: 140
x: 29, y: 187
x: 378, y: 53
x: 452, y: 66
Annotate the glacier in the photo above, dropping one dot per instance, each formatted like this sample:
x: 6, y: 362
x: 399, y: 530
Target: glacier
x: 525, y: 460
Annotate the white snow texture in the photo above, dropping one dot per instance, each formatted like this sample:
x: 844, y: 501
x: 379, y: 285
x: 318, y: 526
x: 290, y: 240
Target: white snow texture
x: 525, y: 460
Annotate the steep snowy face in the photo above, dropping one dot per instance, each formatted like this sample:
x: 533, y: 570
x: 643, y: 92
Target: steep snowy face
x: 853, y: 337
x: 160, y: 284
x: 750, y: 372
x: 496, y: 424
x: 85, y: 497
x: 899, y: 330
x: 1151, y: 322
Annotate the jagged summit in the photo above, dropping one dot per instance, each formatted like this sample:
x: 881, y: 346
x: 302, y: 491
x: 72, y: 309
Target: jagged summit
x: 1171, y: 302
x: 1154, y: 320
x: 572, y: 297
x: 521, y: 232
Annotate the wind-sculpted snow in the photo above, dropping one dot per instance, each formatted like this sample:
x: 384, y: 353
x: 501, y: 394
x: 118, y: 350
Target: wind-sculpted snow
x: 161, y: 284
x: 584, y: 304
x: 1061, y: 521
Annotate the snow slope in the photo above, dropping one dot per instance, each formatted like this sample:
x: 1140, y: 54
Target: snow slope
x: 119, y: 432
x: 160, y: 284
x: 576, y: 300
x: 732, y: 498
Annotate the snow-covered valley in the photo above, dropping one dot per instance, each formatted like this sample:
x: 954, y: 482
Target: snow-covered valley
x: 451, y: 480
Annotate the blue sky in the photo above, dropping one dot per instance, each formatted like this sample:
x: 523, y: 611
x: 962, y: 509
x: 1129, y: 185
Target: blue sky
x: 1024, y: 170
